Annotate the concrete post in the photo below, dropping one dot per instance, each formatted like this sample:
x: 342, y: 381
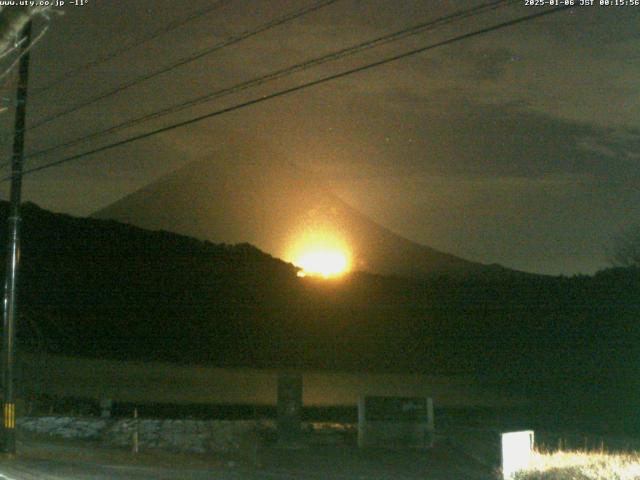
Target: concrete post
x: 289, y: 408
x: 431, y: 429
x: 105, y: 407
x: 362, y: 423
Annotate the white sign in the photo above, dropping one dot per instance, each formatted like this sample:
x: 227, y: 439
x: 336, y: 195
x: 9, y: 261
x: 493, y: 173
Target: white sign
x: 517, y: 449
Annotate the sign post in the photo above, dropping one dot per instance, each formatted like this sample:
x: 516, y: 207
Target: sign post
x: 395, y: 421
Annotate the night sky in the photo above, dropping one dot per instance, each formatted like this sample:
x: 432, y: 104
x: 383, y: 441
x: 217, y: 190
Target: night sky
x: 519, y: 147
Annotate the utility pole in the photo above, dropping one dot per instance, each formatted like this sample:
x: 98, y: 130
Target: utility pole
x: 8, y: 444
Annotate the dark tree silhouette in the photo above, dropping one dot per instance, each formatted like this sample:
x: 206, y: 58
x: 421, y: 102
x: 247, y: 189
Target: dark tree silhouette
x: 625, y: 251
x: 12, y: 21
x: 626, y: 248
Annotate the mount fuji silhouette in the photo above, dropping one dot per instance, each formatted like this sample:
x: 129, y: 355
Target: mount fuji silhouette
x: 241, y: 197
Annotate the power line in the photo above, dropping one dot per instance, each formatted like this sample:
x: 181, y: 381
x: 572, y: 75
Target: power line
x: 295, y: 89
x: 135, y: 43
x: 392, y: 37
x: 183, y: 61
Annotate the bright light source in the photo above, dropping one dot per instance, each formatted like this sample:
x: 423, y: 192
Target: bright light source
x: 321, y: 252
x: 327, y: 263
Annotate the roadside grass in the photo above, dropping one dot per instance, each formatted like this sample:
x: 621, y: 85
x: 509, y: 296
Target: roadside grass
x: 582, y: 465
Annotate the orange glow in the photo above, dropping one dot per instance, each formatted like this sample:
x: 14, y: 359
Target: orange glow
x: 326, y: 263
x: 320, y: 254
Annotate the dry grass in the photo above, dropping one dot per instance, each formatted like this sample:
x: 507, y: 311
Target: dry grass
x: 577, y: 465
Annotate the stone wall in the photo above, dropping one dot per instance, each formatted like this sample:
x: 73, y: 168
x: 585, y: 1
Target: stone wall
x: 195, y: 436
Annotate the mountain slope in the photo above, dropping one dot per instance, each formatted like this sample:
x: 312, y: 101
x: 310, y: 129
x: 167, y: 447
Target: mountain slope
x: 100, y: 288
x: 259, y: 199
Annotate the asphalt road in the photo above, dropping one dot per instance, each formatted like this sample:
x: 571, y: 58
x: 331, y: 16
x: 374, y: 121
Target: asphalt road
x: 335, y: 463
